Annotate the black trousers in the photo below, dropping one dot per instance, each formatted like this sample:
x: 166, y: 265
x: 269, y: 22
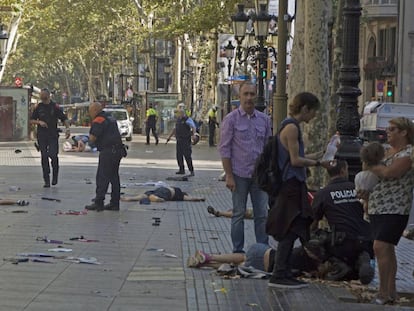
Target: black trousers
x: 108, y: 173
x: 49, y: 148
x: 349, y: 250
x: 150, y: 128
x: 184, y: 152
x: 211, y: 133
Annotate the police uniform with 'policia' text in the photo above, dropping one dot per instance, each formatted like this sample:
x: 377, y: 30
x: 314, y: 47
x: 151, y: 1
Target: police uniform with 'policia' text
x: 111, y: 150
x: 183, y: 132
x: 47, y: 137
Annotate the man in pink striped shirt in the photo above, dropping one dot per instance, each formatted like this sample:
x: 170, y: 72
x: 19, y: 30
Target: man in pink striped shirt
x: 244, y: 132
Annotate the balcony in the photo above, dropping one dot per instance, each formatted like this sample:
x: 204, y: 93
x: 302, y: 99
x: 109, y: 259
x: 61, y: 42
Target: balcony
x: 379, y: 67
x: 380, y: 8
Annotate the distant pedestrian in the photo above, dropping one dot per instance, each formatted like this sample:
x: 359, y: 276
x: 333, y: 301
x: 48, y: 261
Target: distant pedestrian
x: 105, y: 135
x: 244, y: 133
x: 46, y: 116
x: 291, y: 215
x: 212, y: 124
x: 151, y: 124
x: 184, y: 131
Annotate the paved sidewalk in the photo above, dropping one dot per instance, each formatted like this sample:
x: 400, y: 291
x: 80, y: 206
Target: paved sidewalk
x: 131, y: 277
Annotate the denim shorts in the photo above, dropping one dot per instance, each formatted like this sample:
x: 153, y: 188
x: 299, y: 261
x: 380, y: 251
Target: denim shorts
x: 255, y: 256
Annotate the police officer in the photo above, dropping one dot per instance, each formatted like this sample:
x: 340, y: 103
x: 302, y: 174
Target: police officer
x: 151, y: 123
x: 212, y: 123
x: 105, y: 135
x: 184, y: 132
x: 339, y: 204
x: 46, y: 116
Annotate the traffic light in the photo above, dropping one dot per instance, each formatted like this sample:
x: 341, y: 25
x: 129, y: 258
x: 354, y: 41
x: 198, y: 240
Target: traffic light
x: 390, y: 90
x: 263, y: 73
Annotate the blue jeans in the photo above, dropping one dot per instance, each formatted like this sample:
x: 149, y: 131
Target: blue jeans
x: 259, y: 199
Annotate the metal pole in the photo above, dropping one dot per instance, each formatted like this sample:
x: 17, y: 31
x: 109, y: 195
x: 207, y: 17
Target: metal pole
x: 260, y: 97
x: 347, y: 123
x: 229, y: 86
x: 280, y: 98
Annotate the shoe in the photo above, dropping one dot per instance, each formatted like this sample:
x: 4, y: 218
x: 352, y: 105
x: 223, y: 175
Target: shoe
x: 212, y: 211
x: 156, y: 142
x: 191, y: 174
x: 95, y: 207
x: 54, y: 180
x: 365, y: 271
x: 147, y: 144
x: 287, y: 283
x: 111, y: 207
x: 192, y: 262
x: 202, y: 257
x: 180, y: 172
x: 46, y: 185
x: 381, y: 301
x: 22, y: 203
x: 339, y: 270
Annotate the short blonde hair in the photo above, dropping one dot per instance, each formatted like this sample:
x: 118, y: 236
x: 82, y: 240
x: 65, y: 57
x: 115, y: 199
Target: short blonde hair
x: 404, y: 124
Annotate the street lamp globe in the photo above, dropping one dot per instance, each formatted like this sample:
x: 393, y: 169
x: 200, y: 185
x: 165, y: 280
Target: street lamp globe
x: 258, y: 3
x: 261, y: 23
x: 229, y: 49
x: 240, y: 20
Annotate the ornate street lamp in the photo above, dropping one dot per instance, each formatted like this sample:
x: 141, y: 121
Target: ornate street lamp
x: 348, y: 120
x: 229, y: 49
x: 261, y: 28
x: 147, y: 76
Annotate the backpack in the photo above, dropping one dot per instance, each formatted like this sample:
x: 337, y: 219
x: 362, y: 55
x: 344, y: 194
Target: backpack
x: 267, y: 173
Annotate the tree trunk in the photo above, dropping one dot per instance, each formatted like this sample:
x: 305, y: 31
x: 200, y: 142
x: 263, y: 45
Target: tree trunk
x: 336, y: 66
x: 317, y: 14
x: 296, y: 79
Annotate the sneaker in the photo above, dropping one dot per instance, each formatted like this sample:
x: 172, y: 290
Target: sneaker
x: 287, y: 283
x: 95, y: 207
x: 22, y: 203
x: 191, y: 174
x: 202, y: 257
x: 180, y: 172
x: 111, y: 207
x: 339, y: 270
x: 46, y: 185
x: 365, y: 271
x: 54, y: 180
x: 212, y: 210
x: 192, y: 262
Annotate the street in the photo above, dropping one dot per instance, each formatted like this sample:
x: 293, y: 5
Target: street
x: 142, y: 265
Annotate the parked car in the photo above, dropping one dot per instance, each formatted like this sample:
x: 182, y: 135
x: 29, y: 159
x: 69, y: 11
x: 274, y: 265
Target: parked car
x: 123, y: 119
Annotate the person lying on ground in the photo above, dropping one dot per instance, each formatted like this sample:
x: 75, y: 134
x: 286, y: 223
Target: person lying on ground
x: 229, y: 213
x: 162, y: 194
x: 13, y: 202
x: 259, y: 256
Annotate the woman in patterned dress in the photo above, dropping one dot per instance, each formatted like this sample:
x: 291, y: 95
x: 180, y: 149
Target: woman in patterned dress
x: 390, y: 202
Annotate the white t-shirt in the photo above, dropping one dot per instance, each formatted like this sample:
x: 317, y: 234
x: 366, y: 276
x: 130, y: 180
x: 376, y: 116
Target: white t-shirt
x: 366, y: 180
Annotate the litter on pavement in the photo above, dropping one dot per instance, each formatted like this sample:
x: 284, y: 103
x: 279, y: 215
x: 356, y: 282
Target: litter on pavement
x: 14, y: 188
x: 60, y: 250
x: 46, y: 240
x: 85, y: 260
x: 51, y: 199
x: 82, y: 239
x: 71, y: 212
x: 179, y: 178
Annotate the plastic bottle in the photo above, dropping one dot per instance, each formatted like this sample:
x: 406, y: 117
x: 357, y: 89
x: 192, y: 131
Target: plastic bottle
x: 372, y: 263
x: 332, y: 147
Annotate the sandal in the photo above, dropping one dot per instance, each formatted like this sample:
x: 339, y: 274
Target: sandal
x: 212, y: 211
x: 192, y: 262
x: 202, y: 258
